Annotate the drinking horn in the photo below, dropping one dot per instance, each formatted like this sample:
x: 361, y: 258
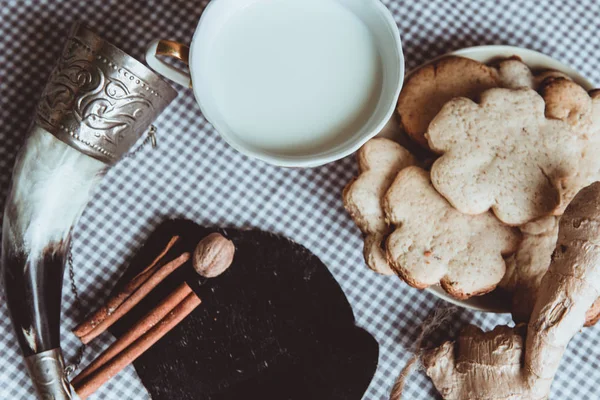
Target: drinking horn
x: 97, y: 103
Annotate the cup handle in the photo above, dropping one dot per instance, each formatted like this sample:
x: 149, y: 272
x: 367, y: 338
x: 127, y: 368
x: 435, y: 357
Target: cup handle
x: 171, y: 49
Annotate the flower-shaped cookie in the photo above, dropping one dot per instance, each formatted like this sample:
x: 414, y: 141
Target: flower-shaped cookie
x: 379, y: 160
x: 513, y: 73
x: 504, y: 154
x: 434, y: 243
x: 569, y: 102
x: 430, y: 87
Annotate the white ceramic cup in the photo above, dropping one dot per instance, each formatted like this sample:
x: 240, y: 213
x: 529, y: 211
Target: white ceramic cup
x: 386, y: 39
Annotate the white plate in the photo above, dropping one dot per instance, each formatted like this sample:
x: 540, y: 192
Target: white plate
x: 496, y: 302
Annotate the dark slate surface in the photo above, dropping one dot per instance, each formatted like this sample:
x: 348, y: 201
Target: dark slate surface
x: 276, y: 325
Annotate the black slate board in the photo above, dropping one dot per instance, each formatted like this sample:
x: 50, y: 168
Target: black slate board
x: 275, y: 326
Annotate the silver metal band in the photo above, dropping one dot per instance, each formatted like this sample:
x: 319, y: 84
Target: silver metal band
x: 100, y: 100
x: 47, y: 373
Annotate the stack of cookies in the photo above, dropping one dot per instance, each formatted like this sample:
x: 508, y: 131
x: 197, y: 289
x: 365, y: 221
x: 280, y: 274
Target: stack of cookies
x: 503, y: 152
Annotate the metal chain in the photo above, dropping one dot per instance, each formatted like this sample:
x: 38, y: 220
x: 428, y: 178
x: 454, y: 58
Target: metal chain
x: 79, y: 356
x: 69, y: 369
x: 150, y: 138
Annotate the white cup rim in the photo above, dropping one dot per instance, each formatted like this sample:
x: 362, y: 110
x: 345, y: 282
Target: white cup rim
x: 308, y: 160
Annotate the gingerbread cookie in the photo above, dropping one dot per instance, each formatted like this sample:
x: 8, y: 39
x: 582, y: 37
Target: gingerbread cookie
x: 592, y: 316
x: 379, y: 160
x: 429, y: 88
x: 434, y: 243
x: 569, y: 102
x: 504, y: 154
x: 374, y: 254
x: 513, y: 73
x: 545, y: 75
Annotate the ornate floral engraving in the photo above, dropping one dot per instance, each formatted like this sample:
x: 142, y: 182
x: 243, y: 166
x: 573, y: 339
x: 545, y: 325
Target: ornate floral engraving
x: 95, y: 102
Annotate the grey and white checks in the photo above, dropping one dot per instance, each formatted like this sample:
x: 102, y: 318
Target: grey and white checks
x: 194, y: 174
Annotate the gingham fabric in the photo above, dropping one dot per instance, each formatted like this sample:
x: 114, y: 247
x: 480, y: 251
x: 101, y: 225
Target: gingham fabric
x: 194, y: 174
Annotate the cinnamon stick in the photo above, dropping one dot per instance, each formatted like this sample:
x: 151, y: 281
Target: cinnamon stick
x: 114, y: 302
x: 137, y: 330
x: 103, y: 374
x: 135, y: 297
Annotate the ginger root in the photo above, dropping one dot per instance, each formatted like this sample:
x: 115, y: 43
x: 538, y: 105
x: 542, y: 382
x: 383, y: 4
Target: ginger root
x: 508, y: 363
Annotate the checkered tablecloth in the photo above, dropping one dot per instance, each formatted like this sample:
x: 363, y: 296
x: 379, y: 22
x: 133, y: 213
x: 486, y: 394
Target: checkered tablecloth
x: 194, y: 174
